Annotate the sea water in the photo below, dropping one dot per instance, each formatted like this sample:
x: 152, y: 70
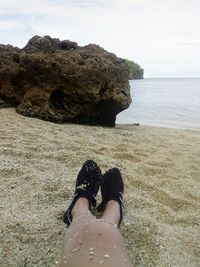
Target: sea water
x: 164, y: 102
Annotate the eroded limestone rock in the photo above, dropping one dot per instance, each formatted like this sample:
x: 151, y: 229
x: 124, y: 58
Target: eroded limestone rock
x: 60, y: 81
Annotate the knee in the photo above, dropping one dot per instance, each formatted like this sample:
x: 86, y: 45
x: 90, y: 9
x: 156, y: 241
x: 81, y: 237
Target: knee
x: 100, y: 230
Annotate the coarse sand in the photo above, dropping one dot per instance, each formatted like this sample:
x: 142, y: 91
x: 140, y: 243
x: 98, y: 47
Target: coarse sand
x: 39, y: 162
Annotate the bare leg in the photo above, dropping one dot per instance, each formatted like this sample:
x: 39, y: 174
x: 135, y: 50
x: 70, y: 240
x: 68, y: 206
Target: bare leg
x: 90, y: 242
x: 111, y: 213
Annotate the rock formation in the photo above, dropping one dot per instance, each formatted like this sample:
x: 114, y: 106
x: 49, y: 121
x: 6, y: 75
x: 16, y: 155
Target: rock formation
x: 60, y: 81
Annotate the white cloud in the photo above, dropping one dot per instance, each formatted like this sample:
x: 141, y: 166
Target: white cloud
x: 8, y: 25
x: 188, y: 42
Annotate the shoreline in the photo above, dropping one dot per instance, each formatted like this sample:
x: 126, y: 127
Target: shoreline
x: 195, y: 128
x: 39, y: 162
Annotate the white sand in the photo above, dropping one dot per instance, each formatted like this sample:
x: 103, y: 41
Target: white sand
x: 39, y: 162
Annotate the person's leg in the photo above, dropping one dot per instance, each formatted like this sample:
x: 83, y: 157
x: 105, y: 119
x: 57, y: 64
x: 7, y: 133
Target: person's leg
x: 92, y: 242
x: 112, y: 212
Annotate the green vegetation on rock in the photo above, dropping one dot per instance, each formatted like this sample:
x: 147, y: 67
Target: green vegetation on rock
x: 136, y: 72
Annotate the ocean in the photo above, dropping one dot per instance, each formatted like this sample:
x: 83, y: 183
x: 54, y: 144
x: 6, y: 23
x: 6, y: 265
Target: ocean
x: 164, y: 102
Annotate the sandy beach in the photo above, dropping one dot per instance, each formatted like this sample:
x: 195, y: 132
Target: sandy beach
x: 39, y: 162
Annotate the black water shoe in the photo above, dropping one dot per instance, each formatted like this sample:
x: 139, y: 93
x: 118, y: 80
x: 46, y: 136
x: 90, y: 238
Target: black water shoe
x: 87, y: 185
x: 112, y: 188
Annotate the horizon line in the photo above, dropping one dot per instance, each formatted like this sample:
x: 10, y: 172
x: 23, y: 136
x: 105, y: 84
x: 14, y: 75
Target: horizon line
x: 171, y: 78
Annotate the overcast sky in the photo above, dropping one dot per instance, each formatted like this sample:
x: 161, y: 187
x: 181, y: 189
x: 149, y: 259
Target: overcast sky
x: 163, y: 36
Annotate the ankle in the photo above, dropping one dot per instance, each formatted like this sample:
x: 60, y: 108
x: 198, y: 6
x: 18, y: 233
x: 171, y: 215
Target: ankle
x: 112, y: 204
x: 81, y: 206
x: 112, y: 212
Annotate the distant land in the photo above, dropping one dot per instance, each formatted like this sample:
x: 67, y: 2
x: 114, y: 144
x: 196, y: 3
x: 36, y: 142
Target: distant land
x: 136, y: 72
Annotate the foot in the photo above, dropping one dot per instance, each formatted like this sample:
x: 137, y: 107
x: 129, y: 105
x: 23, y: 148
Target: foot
x: 112, y: 189
x: 87, y: 186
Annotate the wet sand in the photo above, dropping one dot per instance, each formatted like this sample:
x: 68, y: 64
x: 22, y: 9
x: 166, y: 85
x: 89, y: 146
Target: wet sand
x: 39, y: 162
